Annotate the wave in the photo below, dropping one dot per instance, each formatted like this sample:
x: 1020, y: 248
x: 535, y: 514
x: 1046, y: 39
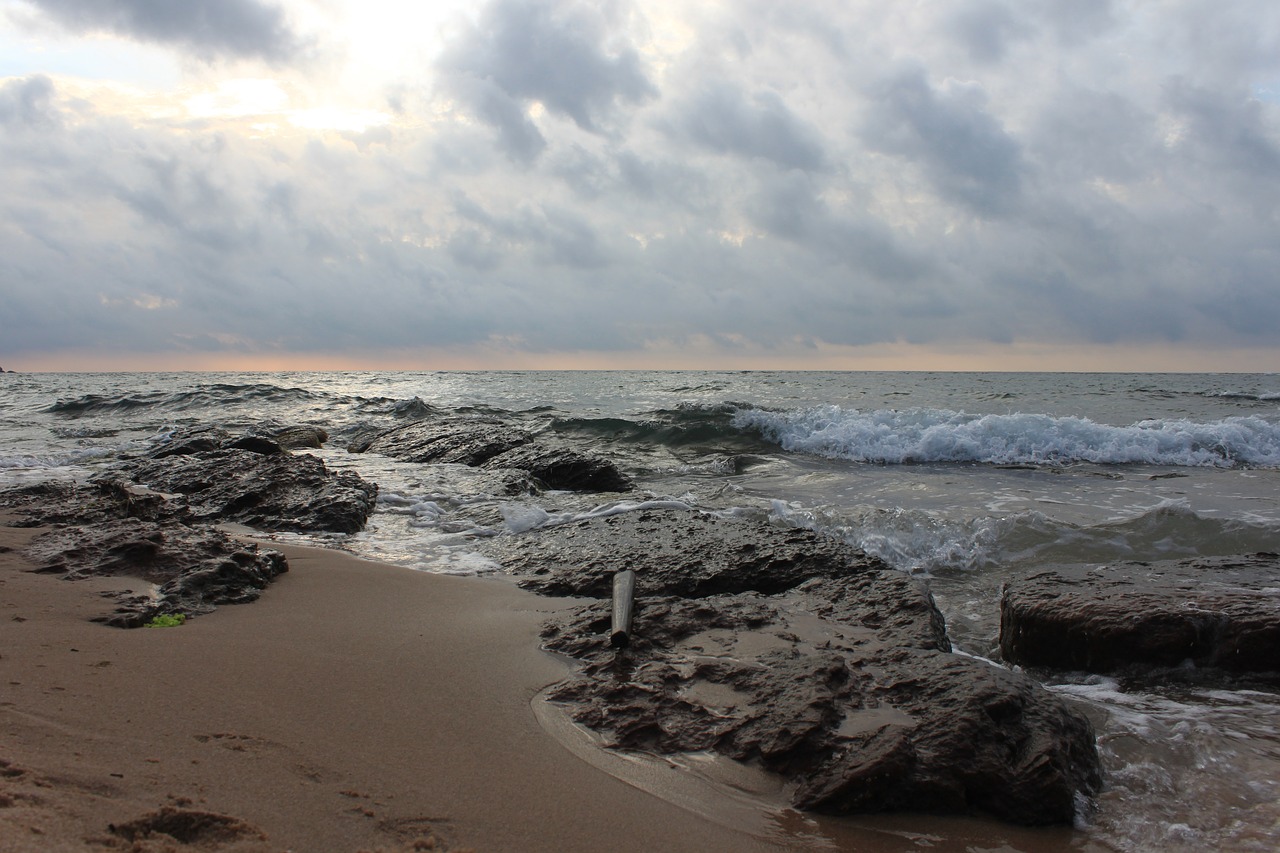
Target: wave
x: 1253, y: 396
x: 215, y: 395
x: 919, y: 541
x: 691, y: 425
x: 9, y: 461
x: 890, y: 436
x: 413, y: 408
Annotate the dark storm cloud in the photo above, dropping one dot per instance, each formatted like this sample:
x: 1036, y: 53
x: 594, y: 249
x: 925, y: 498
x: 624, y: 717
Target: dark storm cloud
x: 962, y: 148
x: 724, y: 119
x: 238, y: 28
x: 565, y: 56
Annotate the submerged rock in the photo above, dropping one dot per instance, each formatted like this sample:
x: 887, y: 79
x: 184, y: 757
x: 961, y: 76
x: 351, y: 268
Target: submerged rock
x: 494, y: 445
x: 195, y: 569
x: 1212, y: 613
x: 783, y: 648
x: 299, y: 437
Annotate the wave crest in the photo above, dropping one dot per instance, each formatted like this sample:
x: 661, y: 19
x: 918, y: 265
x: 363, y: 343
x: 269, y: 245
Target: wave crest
x: 937, y: 435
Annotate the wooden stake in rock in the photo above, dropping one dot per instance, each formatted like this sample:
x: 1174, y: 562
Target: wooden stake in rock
x: 624, y: 593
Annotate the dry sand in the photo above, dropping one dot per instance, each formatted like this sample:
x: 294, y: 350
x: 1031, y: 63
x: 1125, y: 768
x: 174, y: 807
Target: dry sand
x: 355, y: 706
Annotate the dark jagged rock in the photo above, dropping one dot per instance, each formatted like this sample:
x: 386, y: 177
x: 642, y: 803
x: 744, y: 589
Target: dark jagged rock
x: 673, y: 552
x: 492, y: 444
x: 281, y: 491
x: 562, y: 468
x: 1220, y: 613
x: 187, y: 441
x: 104, y: 499
x: 251, y: 480
x: 44, y: 503
x: 465, y: 441
x: 255, y: 444
x: 197, y: 569
x: 786, y: 649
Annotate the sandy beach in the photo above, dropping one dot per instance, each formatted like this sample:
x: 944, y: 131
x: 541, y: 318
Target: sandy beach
x: 355, y: 706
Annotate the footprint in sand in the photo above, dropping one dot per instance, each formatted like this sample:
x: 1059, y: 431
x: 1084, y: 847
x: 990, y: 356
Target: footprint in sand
x: 200, y: 829
x: 261, y: 747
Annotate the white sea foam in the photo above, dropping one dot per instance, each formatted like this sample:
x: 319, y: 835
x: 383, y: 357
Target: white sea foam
x: 940, y: 435
x: 522, y: 517
x: 55, y: 460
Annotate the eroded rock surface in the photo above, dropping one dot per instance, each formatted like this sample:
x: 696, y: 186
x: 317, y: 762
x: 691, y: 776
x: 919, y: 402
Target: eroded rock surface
x: 1220, y: 613
x: 270, y: 491
x: 804, y: 655
x: 196, y: 568
x: 494, y: 445
x: 149, y: 518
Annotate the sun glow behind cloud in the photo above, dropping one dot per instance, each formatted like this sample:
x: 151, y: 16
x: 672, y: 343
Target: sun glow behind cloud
x: 609, y: 183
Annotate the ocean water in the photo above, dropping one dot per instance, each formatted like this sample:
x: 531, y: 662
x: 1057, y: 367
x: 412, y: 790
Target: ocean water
x: 967, y: 480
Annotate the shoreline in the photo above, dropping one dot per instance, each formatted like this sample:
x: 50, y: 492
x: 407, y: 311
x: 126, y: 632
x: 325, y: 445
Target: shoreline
x: 357, y: 706
x: 354, y: 706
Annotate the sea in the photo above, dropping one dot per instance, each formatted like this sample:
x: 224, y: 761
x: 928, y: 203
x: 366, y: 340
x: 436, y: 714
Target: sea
x: 966, y: 480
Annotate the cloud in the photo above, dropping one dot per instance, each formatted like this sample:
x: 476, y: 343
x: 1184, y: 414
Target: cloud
x: 28, y: 102
x: 232, y: 28
x: 599, y: 177
x: 571, y: 58
x: 961, y: 147
x: 724, y: 119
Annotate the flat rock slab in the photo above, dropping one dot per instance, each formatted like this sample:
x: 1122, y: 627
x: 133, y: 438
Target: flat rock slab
x: 195, y: 569
x: 801, y: 654
x: 676, y: 552
x: 1216, y: 613
x: 495, y: 445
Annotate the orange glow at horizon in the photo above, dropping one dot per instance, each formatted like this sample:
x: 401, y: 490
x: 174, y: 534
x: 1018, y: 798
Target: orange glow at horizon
x: 698, y: 356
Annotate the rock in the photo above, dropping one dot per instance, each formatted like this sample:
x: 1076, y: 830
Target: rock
x: 187, y: 441
x: 299, y: 437
x: 255, y: 444
x: 490, y: 443
x: 1216, y: 613
x: 672, y: 551
x: 801, y: 654
x: 190, y: 440
x: 197, y: 569
x: 562, y: 468
x: 465, y: 441
x: 281, y: 491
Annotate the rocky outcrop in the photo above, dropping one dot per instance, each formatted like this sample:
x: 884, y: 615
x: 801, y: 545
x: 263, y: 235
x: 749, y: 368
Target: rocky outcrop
x: 269, y: 491
x: 689, y: 554
x: 195, y: 569
x: 148, y: 518
x: 185, y: 442
x: 1216, y: 614
x: 494, y: 445
x: 779, y: 647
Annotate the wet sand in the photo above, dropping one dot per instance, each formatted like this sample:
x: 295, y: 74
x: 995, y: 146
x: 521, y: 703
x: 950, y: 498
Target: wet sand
x: 355, y: 706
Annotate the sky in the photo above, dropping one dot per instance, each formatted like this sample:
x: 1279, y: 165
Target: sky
x: 746, y: 184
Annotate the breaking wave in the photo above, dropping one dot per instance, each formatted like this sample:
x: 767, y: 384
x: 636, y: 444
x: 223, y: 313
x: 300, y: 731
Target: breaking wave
x: 937, y: 435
